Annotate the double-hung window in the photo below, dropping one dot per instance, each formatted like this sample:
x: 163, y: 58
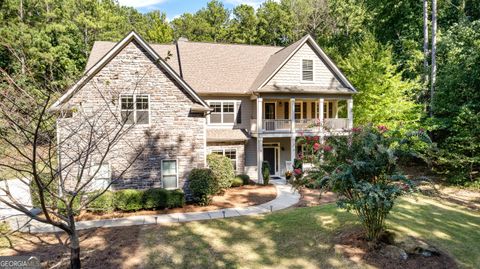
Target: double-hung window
x: 307, y: 70
x: 169, y: 174
x: 229, y: 153
x: 135, y: 109
x: 225, y: 112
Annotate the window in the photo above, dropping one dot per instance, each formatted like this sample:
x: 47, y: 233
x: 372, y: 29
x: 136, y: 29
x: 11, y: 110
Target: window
x: 298, y: 111
x: 313, y: 110
x: 169, y: 174
x: 232, y: 155
x: 307, y: 70
x: 225, y: 112
x: 135, y: 109
x: 229, y: 153
x: 100, y: 171
x: 286, y: 111
x: 328, y: 110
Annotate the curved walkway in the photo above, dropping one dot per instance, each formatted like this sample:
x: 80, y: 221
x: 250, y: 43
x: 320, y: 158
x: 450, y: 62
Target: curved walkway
x: 286, y: 197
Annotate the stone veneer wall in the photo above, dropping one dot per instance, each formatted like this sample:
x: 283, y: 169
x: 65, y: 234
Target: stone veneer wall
x: 240, y: 150
x: 173, y: 133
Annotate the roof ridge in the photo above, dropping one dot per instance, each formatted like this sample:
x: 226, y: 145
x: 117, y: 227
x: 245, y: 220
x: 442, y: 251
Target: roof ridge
x: 206, y: 42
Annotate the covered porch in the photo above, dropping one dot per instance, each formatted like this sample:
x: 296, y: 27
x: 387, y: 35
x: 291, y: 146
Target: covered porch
x: 293, y: 115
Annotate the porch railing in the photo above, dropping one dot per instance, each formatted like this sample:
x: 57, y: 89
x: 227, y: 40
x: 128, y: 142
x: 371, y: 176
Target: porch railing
x: 276, y: 125
x: 300, y: 124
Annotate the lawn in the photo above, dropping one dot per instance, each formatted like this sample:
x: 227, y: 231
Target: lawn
x: 294, y: 238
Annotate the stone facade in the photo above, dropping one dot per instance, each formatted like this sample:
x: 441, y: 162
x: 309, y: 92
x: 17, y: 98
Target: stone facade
x: 173, y: 133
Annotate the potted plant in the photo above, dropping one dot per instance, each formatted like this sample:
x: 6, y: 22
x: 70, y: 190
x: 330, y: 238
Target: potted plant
x: 288, y: 175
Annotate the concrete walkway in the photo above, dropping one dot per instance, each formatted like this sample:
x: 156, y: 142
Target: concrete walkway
x: 286, y: 197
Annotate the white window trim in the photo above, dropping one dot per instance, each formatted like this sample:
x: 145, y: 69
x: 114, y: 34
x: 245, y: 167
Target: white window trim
x: 313, y: 72
x: 223, y: 154
x: 135, y: 108
x: 236, y: 105
x: 92, y: 171
x: 176, y: 173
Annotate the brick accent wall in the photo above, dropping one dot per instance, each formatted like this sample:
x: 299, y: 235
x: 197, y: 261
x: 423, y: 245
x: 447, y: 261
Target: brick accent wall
x: 173, y: 133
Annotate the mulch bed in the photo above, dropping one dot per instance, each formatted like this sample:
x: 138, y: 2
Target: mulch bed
x: 352, y: 244
x: 314, y: 197
x: 243, y: 196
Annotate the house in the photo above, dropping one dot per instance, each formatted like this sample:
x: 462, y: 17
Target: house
x: 188, y: 99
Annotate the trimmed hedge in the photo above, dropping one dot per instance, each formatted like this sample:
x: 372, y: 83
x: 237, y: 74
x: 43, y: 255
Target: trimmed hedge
x: 202, y: 185
x: 103, y: 203
x: 237, y: 182
x: 222, y: 169
x: 159, y: 198
x: 128, y: 200
x: 245, y: 178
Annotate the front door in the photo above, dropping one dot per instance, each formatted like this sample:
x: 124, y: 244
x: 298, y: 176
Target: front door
x: 269, y: 155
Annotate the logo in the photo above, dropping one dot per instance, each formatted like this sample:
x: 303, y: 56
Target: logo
x: 19, y: 262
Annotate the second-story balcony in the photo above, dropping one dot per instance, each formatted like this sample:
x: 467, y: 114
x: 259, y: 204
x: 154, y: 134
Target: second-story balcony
x: 302, y: 115
x: 282, y: 125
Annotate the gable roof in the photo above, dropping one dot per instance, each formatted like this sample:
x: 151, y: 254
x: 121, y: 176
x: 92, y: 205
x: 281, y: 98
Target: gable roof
x: 279, y: 59
x: 235, y: 69
x: 112, y: 52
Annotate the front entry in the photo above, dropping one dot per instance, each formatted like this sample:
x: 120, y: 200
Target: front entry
x: 270, y: 155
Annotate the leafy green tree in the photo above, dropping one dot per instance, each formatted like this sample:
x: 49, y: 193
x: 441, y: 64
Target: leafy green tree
x: 456, y: 105
x: 158, y: 30
x: 243, y: 28
x: 274, y: 24
x: 384, y: 96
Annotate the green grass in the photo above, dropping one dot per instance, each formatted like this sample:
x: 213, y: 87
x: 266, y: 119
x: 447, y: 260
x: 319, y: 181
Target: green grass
x: 302, y: 237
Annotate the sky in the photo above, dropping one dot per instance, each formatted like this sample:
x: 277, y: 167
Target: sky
x: 174, y: 8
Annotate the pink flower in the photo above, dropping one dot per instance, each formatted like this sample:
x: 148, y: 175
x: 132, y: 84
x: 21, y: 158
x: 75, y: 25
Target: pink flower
x: 316, y: 146
x: 356, y: 129
x: 316, y: 138
x: 327, y: 148
x: 382, y: 128
x: 297, y: 171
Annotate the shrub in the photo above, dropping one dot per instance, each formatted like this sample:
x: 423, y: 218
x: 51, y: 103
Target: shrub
x: 362, y: 169
x: 128, y: 200
x: 265, y: 172
x: 159, y: 198
x: 155, y: 198
x: 176, y: 198
x: 48, y: 198
x: 222, y: 169
x: 245, y: 178
x: 103, y: 203
x: 237, y: 182
x: 202, y: 185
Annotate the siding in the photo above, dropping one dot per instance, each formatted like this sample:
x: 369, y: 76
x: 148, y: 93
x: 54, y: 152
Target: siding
x: 247, y: 110
x: 291, y: 72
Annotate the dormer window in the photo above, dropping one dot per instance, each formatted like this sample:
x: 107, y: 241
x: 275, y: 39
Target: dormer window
x: 307, y: 70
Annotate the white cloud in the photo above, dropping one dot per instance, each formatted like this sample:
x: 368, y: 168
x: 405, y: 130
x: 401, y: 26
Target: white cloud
x: 140, y: 3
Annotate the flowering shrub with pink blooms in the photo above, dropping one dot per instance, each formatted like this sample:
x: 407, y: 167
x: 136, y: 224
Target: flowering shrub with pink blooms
x: 361, y: 168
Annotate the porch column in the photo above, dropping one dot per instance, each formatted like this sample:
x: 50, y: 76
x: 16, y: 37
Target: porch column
x: 293, y: 147
x: 350, y: 113
x: 259, y: 115
x: 292, y: 115
x: 259, y: 159
x: 321, y: 103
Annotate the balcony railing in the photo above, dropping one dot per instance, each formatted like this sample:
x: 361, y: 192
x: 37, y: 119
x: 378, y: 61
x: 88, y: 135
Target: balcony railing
x: 276, y: 125
x: 283, y: 125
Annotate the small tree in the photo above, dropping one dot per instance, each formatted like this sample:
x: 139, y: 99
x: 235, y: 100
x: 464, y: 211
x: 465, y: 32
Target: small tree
x: 60, y: 167
x: 362, y: 169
